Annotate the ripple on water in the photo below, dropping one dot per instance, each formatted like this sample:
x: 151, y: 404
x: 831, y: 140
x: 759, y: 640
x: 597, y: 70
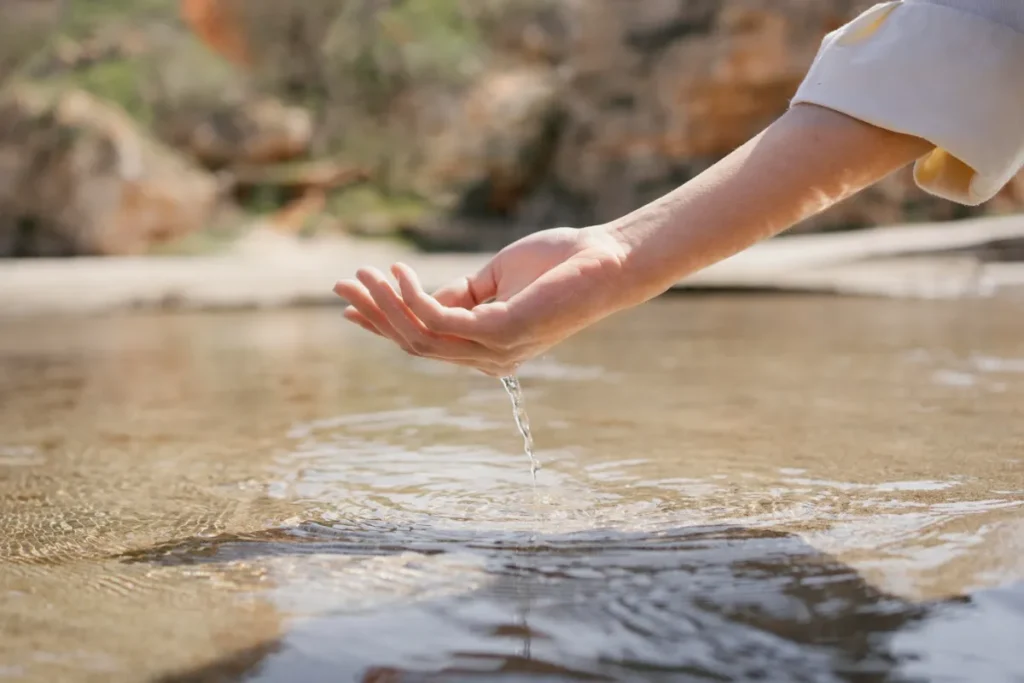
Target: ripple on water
x: 663, y: 543
x: 713, y: 602
x: 396, y: 476
x: 443, y: 558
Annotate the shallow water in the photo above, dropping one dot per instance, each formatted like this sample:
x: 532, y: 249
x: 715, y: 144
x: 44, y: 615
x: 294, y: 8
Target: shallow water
x: 741, y: 488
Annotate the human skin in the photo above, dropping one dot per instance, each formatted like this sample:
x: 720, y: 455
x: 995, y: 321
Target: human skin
x: 548, y: 286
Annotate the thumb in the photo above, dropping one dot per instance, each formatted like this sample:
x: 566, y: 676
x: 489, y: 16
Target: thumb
x: 466, y: 292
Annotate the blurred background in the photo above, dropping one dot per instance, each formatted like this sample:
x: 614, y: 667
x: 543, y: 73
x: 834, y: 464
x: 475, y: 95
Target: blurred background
x: 177, y: 126
x: 733, y: 487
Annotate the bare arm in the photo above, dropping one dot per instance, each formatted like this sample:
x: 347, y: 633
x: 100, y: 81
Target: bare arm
x: 554, y: 283
x: 946, y: 70
x: 806, y: 161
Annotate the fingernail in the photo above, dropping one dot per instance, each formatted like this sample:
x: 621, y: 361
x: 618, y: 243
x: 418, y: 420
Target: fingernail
x: 373, y: 274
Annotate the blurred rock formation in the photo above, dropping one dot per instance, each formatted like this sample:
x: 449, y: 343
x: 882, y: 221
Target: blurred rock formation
x: 466, y: 123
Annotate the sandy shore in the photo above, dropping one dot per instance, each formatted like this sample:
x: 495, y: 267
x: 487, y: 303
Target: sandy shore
x: 271, y: 270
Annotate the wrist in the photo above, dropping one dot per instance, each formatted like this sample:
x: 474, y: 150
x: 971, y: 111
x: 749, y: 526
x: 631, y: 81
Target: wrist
x: 628, y: 245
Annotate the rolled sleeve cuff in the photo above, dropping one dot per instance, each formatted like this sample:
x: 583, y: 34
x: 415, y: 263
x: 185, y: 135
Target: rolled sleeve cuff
x: 952, y: 78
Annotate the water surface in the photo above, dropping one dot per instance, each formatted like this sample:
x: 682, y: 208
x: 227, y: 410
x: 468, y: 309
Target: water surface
x: 734, y: 488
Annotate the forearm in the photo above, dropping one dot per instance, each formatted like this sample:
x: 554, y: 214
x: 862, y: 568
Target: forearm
x: 806, y: 161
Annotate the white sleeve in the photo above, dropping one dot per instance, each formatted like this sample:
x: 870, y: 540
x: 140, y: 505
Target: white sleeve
x: 948, y: 71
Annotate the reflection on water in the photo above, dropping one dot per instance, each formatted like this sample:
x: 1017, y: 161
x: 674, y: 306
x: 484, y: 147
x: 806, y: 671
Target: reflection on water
x: 789, y: 489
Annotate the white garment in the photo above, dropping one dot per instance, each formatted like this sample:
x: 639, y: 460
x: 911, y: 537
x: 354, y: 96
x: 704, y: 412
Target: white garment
x: 948, y: 71
x: 1008, y: 12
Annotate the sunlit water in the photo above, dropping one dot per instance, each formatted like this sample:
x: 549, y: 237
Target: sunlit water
x: 771, y: 489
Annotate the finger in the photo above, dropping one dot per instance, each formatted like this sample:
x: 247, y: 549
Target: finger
x: 475, y: 325
x: 418, y: 337
x: 359, y: 298
x: 466, y: 292
x: 353, y: 315
x: 489, y: 369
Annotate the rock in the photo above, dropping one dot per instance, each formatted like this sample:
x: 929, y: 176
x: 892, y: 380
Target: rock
x: 282, y: 41
x: 655, y: 91
x: 661, y: 89
x: 230, y: 131
x: 575, y: 111
x: 216, y: 23
x: 78, y: 177
x: 24, y: 26
x: 494, y: 149
x: 493, y: 153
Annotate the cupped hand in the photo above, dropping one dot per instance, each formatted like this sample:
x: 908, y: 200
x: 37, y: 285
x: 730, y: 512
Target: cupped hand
x: 533, y: 294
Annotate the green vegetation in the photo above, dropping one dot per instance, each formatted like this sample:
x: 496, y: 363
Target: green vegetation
x: 84, y: 18
x: 409, y: 42
x: 207, y: 242
x: 370, y: 211
x: 117, y: 81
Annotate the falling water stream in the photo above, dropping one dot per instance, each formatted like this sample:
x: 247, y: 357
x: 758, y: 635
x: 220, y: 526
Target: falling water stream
x: 515, y: 392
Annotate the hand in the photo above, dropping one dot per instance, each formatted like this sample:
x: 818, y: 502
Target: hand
x: 533, y: 294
